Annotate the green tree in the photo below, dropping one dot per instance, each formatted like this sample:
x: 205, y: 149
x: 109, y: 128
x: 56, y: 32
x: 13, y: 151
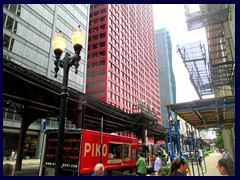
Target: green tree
x: 219, y: 140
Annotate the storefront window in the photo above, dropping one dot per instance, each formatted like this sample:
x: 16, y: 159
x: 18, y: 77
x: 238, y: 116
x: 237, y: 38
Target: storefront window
x: 30, y: 145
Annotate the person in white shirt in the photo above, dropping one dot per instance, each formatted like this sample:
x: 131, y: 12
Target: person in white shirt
x: 200, y: 157
x: 157, y: 165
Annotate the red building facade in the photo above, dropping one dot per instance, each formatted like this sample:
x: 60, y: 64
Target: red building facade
x: 122, y: 63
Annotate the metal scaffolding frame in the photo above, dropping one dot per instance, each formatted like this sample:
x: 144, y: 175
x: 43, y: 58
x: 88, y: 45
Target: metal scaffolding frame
x: 194, y: 58
x: 221, y: 50
x: 200, y: 114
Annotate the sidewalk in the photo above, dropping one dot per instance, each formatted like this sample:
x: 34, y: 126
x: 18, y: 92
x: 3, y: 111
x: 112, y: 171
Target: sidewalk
x: 30, y: 166
x: 211, y: 163
x: 24, y: 162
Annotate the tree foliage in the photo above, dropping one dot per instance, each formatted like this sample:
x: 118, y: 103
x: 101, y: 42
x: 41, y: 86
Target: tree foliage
x: 219, y: 140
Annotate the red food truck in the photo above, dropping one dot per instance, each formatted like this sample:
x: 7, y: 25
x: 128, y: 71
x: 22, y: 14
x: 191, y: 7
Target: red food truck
x: 82, y: 149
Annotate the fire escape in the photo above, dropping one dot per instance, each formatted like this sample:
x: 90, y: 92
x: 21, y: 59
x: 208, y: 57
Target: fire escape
x: 215, y: 74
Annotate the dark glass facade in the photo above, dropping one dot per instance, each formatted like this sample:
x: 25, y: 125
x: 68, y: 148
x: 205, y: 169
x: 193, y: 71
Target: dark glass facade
x: 167, y: 82
x: 29, y: 28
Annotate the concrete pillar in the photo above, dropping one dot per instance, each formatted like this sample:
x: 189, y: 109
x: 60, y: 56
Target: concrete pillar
x: 229, y: 142
x: 40, y: 138
x: 233, y: 137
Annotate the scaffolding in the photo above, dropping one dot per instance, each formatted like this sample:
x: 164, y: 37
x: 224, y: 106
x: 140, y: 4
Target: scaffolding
x: 194, y: 58
x: 221, y: 50
x: 201, y: 114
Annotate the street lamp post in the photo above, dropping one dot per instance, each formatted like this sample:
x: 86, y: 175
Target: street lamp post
x: 59, y: 44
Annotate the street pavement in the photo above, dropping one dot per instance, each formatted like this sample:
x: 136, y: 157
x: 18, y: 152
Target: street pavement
x: 211, y: 163
x: 30, y: 166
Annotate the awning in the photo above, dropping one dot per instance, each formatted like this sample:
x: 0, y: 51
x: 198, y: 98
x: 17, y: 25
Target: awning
x: 207, y: 113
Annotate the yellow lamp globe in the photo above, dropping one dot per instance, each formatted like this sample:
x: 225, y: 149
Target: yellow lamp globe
x: 59, y: 43
x: 78, y: 37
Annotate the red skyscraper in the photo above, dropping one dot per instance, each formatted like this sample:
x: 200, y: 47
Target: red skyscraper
x: 122, y: 63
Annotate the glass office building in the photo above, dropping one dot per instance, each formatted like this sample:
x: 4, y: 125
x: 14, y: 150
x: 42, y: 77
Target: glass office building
x: 167, y: 82
x: 27, y: 33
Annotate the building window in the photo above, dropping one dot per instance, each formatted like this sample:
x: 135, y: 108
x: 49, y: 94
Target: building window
x: 95, y: 21
x: 95, y: 29
x: 89, y: 56
x: 6, y: 41
x: 103, y: 10
x: 103, y: 27
x: 96, y: 13
x: 101, y: 83
x: 102, y: 19
x: 9, y: 23
x: 94, y: 84
x: 95, y: 38
x: 103, y: 35
x: 109, y: 94
x: 94, y: 55
x: 94, y: 74
x: 94, y: 64
x: 102, y: 63
x: 101, y: 93
x: 13, y: 8
x: 102, y: 53
x: 102, y: 44
x: 95, y: 46
x: 101, y: 73
x: 115, y: 151
x: 126, y: 151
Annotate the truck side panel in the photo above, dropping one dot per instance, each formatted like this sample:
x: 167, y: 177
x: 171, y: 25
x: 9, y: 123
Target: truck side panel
x: 116, y: 152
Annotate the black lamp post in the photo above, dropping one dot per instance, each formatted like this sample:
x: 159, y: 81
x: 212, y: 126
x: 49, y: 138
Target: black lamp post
x: 59, y: 44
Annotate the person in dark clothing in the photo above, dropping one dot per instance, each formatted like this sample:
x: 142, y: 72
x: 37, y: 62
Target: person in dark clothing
x: 178, y: 167
x: 8, y: 169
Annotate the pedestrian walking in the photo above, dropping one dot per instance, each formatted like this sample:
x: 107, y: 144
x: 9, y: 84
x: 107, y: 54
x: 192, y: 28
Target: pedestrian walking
x: 15, y: 155
x: 157, y: 164
x: 200, y: 157
x: 12, y: 155
x: 226, y: 154
x: 141, y: 165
